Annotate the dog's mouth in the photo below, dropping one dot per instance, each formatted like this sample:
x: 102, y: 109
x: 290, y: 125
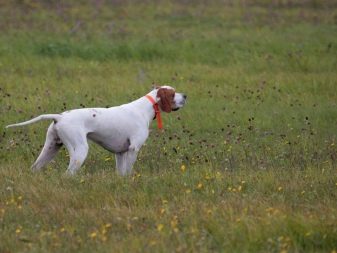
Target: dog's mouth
x: 176, y: 109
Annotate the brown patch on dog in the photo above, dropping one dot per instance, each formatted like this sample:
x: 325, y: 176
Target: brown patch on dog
x: 166, y: 99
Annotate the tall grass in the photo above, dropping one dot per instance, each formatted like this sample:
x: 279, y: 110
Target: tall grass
x: 249, y: 165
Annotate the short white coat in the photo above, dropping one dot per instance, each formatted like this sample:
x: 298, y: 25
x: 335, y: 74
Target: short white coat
x: 121, y: 129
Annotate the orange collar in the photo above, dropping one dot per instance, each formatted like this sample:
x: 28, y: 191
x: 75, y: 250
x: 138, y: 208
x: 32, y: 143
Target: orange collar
x: 156, y: 111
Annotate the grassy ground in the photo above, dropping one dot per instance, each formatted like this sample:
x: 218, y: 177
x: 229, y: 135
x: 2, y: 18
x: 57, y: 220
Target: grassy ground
x: 249, y: 165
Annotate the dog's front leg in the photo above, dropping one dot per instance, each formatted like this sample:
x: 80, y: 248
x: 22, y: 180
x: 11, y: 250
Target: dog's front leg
x: 131, y: 157
x: 120, y: 158
x: 125, y: 161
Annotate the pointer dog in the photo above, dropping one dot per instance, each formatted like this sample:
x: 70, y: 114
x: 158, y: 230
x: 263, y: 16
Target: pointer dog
x: 122, y: 129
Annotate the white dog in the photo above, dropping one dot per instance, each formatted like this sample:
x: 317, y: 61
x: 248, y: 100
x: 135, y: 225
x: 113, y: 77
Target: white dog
x: 122, y: 129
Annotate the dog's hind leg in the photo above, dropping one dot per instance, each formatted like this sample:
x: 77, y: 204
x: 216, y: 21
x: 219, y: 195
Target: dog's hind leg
x: 77, y: 157
x: 50, y: 149
x: 77, y: 146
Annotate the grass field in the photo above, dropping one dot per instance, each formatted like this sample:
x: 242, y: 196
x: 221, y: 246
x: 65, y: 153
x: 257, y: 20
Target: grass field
x: 249, y: 165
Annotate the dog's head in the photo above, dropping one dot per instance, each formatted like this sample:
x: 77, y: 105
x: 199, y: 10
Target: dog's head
x: 169, y: 99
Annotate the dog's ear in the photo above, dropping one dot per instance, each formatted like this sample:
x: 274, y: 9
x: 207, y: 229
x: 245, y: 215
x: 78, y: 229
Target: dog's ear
x: 166, y: 99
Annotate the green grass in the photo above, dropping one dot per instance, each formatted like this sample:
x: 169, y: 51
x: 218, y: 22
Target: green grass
x: 257, y: 138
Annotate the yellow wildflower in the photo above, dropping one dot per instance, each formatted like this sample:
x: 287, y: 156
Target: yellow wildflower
x: 174, y: 221
x: 104, y: 231
x: 160, y: 227
x: 93, y: 235
x: 207, y: 177
x: 218, y: 175
x: 108, y: 225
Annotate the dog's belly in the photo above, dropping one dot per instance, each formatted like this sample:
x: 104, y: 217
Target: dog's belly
x: 115, y: 144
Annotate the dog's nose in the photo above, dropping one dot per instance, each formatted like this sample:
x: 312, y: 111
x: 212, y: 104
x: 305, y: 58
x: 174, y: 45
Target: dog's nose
x: 184, y: 96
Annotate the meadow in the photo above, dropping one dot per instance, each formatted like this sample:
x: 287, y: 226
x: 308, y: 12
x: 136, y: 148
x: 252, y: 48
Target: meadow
x: 248, y: 165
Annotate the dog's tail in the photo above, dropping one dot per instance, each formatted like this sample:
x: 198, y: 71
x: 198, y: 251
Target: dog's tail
x: 54, y: 117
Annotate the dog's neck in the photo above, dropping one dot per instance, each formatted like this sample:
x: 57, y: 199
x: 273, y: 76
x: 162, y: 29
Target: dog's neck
x: 153, y: 94
x: 146, y: 106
